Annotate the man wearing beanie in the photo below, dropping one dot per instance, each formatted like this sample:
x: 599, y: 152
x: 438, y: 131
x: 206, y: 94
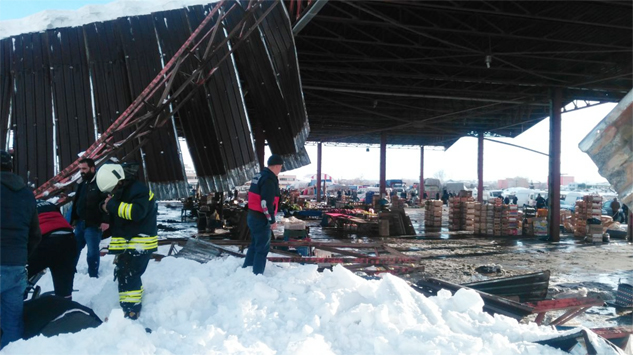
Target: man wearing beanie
x: 263, y: 200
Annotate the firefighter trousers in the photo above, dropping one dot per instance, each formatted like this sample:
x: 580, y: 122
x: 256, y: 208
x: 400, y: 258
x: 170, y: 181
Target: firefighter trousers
x: 130, y: 266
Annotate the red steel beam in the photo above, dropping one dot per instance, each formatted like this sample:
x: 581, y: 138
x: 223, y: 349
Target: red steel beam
x: 480, y: 167
x: 318, y: 183
x: 368, y: 260
x: 383, y: 164
x: 421, y: 189
x: 553, y: 195
x: 106, y: 146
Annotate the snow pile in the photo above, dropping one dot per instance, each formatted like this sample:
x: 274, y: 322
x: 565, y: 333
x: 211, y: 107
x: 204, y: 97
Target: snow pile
x: 50, y: 19
x: 220, y: 308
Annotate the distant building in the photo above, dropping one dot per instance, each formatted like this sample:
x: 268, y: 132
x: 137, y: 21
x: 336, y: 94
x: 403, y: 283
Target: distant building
x: 514, y: 182
x: 566, y: 179
x: 287, y: 180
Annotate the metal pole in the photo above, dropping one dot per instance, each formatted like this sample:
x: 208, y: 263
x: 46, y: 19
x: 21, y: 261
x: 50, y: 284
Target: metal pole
x: 383, y: 164
x: 318, y: 187
x: 553, y: 196
x: 421, y: 189
x: 480, y: 167
x: 259, y: 145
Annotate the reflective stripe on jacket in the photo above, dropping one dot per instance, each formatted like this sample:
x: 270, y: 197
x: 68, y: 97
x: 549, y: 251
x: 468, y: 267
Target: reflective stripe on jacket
x: 132, y: 213
x: 142, y: 244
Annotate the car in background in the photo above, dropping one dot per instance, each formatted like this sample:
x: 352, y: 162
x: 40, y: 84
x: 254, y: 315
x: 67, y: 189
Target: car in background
x: 565, y: 206
x: 608, y: 211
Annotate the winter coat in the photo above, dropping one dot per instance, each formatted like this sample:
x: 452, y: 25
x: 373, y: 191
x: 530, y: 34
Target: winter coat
x: 264, y: 187
x: 86, y: 204
x: 20, y: 230
x: 133, y: 212
x: 51, y: 219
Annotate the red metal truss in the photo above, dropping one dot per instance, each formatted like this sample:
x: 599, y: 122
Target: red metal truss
x: 378, y: 260
x: 157, y: 98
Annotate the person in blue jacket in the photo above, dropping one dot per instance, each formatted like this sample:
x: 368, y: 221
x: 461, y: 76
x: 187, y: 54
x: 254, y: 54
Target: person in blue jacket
x: 263, y: 200
x: 132, y: 209
x: 19, y: 236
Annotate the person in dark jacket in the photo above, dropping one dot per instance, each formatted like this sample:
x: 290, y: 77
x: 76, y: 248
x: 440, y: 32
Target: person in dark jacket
x: 132, y: 209
x: 19, y: 236
x: 263, y: 200
x: 615, y: 209
x: 57, y: 250
x: 540, y: 202
x: 86, y: 216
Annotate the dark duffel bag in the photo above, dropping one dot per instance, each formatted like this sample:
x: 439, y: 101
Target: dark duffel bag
x: 52, y: 315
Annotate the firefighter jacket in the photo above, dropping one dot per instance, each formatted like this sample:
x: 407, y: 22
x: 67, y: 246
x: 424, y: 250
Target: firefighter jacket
x: 132, y: 212
x: 263, y: 196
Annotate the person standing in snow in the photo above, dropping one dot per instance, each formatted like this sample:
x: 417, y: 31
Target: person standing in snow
x: 19, y: 236
x: 263, y: 200
x: 132, y: 209
x: 86, y: 216
x: 57, y: 250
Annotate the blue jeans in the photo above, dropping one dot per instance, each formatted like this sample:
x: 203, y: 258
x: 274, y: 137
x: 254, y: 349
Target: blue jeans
x: 90, y: 236
x: 13, y: 284
x: 260, y: 243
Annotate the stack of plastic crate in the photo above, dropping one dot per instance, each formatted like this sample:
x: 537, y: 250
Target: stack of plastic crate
x: 433, y: 213
x: 454, y: 214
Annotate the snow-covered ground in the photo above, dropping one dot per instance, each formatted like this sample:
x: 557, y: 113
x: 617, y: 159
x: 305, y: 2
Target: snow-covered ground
x: 220, y: 308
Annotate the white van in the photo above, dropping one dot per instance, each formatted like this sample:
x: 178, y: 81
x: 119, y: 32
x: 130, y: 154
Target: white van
x: 523, y: 196
x: 533, y: 195
x: 488, y: 194
x: 570, y: 198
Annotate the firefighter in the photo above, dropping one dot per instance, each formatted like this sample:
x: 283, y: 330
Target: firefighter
x: 263, y: 200
x: 132, y: 209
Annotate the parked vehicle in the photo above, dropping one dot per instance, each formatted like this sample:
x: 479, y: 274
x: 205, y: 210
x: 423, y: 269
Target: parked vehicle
x: 533, y: 195
x: 568, y: 199
x: 454, y: 187
x: 432, y: 187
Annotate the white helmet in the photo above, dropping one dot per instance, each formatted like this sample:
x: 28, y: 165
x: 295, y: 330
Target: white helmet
x: 108, y: 176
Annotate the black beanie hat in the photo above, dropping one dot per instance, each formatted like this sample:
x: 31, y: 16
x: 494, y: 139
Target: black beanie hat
x: 275, y: 160
x: 6, y: 161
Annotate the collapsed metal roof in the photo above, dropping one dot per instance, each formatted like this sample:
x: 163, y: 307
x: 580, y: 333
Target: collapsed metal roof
x: 422, y: 72
x: 110, y: 89
x: 430, y: 72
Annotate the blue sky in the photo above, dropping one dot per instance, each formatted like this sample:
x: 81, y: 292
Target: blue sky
x: 459, y: 162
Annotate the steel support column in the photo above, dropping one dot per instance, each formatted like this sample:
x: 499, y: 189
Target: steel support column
x: 553, y: 195
x: 318, y: 185
x: 259, y: 146
x: 383, y: 164
x: 421, y: 189
x: 480, y: 167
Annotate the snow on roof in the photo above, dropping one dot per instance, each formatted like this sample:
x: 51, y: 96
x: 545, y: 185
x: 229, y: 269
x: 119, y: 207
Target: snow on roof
x: 50, y: 19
